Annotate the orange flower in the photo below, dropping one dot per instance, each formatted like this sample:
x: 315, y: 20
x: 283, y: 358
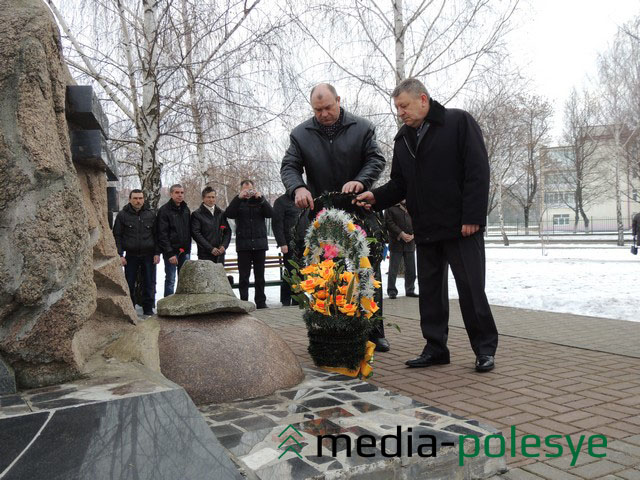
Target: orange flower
x: 310, y: 269
x: 343, y: 289
x: 340, y: 300
x: 327, y: 263
x: 351, y: 227
x: 326, y: 273
x: 369, y: 304
x: 309, y: 284
x: 350, y: 309
x: 321, y: 294
x: 316, y: 224
x: 346, y: 277
x: 306, y: 251
x: 320, y: 306
x: 376, y: 283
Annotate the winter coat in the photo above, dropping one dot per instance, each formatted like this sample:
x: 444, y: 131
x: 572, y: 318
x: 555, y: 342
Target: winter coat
x: 397, y: 220
x: 174, y: 229
x: 444, y: 177
x: 134, y: 232
x: 635, y: 228
x: 288, y: 224
x: 353, y: 154
x: 209, y: 231
x: 251, y: 228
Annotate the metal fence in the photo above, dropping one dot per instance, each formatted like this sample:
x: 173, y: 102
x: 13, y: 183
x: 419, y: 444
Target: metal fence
x: 560, y: 226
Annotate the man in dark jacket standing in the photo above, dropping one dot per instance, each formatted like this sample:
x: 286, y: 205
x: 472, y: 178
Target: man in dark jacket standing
x: 402, y: 248
x: 249, y: 209
x: 134, y: 232
x: 210, y: 229
x: 174, y: 236
x: 440, y: 166
x: 337, y: 151
x: 289, y: 228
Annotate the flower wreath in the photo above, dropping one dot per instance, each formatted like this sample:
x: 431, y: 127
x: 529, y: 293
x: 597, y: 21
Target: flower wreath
x: 333, y: 288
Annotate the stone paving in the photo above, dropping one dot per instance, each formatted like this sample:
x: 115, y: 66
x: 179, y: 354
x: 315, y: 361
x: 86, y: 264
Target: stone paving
x: 555, y: 374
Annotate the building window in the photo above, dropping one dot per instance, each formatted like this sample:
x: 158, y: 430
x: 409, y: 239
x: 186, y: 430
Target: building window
x: 559, y: 199
x: 561, y: 219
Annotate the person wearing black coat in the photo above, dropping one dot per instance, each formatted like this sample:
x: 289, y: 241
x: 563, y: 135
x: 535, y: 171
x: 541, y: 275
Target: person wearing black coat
x: 440, y: 166
x: 174, y: 236
x: 402, y: 248
x: 250, y: 209
x: 289, y: 228
x: 210, y: 229
x: 134, y: 233
x: 338, y: 152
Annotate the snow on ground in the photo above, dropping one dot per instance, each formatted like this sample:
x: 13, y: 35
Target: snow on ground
x: 595, y: 280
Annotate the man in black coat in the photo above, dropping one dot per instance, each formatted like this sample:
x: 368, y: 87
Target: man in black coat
x: 174, y: 236
x: 289, y: 228
x: 250, y: 209
x: 337, y: 151
x: 134, y: 232
x: 440, y: 166
x: 402, y: 248
x: 210, y: 229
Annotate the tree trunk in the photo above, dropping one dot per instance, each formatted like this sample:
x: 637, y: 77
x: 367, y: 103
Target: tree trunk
x: 527, y: 209
x: 619, y: 154
x: 398, y: 30
x: 505, y: 239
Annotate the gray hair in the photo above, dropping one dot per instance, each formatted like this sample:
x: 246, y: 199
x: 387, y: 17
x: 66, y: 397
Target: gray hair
x: 174, y: 187
x: 412, y: 86
x: 328, y: 86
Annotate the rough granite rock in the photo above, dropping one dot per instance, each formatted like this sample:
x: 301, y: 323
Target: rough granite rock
x: 54, y: 237
x: 225, y: 356
x: 202, y: 288
x: 7, y: 378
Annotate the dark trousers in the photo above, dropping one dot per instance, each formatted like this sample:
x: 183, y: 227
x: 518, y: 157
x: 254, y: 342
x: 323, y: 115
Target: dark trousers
x: 378, y: 328
x: 247, y: 258
x: 409, y: 271
x: 170, y: 273
x: 145, y: 264
x: 285, y: 288
x: 466, y: 258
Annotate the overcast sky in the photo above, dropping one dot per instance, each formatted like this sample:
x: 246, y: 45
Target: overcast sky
x: 557, y: 42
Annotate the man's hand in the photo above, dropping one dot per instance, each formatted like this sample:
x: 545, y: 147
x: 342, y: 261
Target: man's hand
x: 468, y: 230
x: 365, y: 200
x: 303, y: 198
x: 284, y: 249
x: 244, y: 194
x: 222, y: 250
x: 156, y: 259
x: 257, y: 194
x: 406, y: 237
x: 352, y: 187
x: 123, y: 261
x: 173, y: 260
x: 215, y: 252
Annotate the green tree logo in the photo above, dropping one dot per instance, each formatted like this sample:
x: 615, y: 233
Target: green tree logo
x: 291, y: 446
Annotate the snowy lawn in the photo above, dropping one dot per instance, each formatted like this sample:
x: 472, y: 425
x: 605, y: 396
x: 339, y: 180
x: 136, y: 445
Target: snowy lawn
x: 594, y: 280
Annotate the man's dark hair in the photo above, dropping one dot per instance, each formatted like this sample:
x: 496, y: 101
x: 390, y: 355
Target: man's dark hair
x: 328, y: 86
x: 173, y: 187
x: 207, y: 190
x: 245, y: 182
x: 412, y: 86
x: 135, y: 190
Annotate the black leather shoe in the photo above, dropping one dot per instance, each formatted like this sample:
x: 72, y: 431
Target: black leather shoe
x: 428, y: 359
x: 484, y: 363
x: 261, y: 305
x: 392, y: 296
x: 382, y: 345
x: 413, y: 295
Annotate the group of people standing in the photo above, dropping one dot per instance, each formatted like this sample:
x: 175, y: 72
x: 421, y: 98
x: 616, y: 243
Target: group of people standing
x: 435, y: 202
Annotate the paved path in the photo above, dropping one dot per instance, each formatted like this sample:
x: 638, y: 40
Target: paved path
x: 556, y: 374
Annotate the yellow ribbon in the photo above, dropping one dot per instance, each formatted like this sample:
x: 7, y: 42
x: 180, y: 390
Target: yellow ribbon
x: 365, y: 370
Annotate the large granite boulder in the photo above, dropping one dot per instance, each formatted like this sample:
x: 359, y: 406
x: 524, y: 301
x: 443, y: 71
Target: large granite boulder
x: 58, y: 262
x: 216, y: 354
x: 225, y: 356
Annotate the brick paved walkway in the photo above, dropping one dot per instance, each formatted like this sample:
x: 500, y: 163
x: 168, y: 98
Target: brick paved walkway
x: 555, y: 374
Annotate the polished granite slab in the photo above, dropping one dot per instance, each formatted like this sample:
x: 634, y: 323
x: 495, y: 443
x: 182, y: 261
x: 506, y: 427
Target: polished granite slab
x: 108, y: 428
x: 332, y: 404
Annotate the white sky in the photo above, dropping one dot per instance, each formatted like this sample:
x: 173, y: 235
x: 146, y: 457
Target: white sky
x: 557, y: 43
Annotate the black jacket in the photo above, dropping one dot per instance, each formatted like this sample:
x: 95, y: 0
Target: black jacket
x: 353, y: 154
x: 251, y: 229
x: 288, y: 223
x: 396, y: 221
x: 134, y: 232
x: 174, y: 228
x: 209, y: 231
x: 444, y: 178
x: 635, y: 226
